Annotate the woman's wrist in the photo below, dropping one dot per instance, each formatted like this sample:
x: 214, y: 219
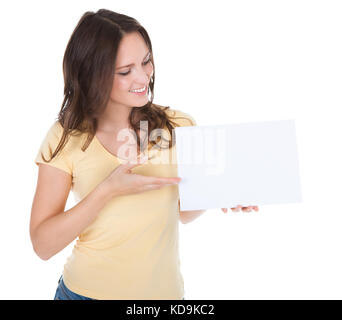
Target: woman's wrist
x: 106, y: 190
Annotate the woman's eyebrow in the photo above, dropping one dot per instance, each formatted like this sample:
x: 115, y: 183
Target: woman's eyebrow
x: 132, y: 64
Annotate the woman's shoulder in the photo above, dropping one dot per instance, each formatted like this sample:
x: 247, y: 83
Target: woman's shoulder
x: 57, y: 130
x: 74, y: 138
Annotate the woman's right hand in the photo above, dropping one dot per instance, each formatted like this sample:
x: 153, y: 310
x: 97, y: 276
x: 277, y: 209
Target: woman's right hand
x: 122, y: 181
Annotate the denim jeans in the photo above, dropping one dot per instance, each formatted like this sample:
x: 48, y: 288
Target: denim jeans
x: 63, y: 293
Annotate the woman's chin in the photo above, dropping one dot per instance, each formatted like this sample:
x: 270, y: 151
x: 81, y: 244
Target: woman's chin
x: 142, y: 104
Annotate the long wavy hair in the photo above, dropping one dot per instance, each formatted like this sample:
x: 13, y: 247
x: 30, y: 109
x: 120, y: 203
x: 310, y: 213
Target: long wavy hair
x: 88, y: 70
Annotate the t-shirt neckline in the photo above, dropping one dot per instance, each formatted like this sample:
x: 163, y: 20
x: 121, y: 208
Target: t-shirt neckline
x: 111, y: 154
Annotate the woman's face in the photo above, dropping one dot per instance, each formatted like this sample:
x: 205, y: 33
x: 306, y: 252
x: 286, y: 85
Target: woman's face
x: 133, y: 70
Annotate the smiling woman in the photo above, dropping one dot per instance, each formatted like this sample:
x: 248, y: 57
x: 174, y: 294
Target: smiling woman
x: 133, y: 74
x: 126, y: 217
x: 101, y: 77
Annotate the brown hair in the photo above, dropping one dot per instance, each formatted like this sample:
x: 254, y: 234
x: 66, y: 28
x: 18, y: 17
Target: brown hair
x: 88, y: 70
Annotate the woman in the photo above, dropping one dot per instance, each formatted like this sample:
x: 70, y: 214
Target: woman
x: 127, y: 211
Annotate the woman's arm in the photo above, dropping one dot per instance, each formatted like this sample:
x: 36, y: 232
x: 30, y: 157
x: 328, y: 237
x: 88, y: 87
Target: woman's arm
x: 54, y: 233
x: 52, y: 228
x: 188, y: 216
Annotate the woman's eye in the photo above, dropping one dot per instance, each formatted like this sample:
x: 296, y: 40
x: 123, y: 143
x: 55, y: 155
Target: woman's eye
x: 144, y: 63
x: 125, y: 74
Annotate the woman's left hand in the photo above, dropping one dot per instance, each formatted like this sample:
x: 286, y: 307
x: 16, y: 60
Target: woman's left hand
x: 244, y: 209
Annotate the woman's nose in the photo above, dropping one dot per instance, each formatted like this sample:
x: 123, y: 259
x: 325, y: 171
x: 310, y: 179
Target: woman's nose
x: 143, y: 78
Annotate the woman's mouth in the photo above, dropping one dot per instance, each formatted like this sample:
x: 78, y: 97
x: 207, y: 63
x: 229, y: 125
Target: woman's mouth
x: 139, y: 91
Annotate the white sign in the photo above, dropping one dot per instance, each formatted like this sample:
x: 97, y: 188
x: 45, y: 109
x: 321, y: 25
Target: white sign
x: 248, y: 164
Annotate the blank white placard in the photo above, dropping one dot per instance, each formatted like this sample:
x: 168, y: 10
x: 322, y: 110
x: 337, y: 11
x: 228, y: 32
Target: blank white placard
x: 244, y: 164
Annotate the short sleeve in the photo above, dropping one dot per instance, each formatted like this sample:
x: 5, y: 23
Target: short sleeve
x: 190, y: 119
x: 181, y: 118
x: 49, y: 145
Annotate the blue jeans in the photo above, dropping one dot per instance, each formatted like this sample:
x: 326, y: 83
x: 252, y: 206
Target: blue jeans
x: 63, y: 293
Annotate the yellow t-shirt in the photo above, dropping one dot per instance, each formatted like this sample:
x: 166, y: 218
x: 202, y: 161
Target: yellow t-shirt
x: 130, y: 251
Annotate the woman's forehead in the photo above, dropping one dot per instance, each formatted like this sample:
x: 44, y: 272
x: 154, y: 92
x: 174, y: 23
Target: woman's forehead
x: 132, y: 48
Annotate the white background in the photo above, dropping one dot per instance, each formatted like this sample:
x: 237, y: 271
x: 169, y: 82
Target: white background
x: 222, y: 62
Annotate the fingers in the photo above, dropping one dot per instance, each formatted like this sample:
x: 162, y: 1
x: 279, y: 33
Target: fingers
x: 148, y: 180
x: 153, y: 186
x: 236, y: 209
x: 147, y: 187
x: 160, y: 180
x: 245, y: 209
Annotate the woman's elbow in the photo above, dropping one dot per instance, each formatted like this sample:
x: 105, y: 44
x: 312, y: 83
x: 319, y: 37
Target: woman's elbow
x: 38, y: 248
x: 188, y: 216
x: 183, y: 221
x: 40, y: 253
